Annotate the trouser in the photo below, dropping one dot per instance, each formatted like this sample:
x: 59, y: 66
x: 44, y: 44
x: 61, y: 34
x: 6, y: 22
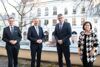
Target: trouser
x: 12, y: 53
x: 61, y: 49
x: 36, y: 49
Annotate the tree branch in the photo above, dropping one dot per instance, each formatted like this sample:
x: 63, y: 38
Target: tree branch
x: 3, y: 19
x: 14, y: 7
x: 78, y: 5
x: 23, y: 9
x: 26, y: 24
x: 5, y: 7
x: 16, y: 2
x: 30, y: 9
x: 90, y: 5
x: 20, y: 7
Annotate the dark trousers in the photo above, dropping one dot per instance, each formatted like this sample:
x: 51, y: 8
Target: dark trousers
x: 61, y: 49
x: 36, y: 49
x: 85, y: 63
x: 12, y: 53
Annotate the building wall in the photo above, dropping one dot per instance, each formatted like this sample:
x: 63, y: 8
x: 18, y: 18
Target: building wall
x: 61, y: 5
x: 74, y: 19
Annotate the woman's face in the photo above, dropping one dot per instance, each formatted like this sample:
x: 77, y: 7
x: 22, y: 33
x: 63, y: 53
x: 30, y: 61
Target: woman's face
x: 87, y: 27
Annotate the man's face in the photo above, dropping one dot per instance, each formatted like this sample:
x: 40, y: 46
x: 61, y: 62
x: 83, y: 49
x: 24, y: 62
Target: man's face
x: 36, y: 22
x: 11, y: 22
x: 61, y: 19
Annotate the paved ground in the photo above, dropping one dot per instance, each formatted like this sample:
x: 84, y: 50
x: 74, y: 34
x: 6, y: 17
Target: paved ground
x: 26, y: 63
x: 22, y: 63
x: 49, y: 57
x: 3, y: 62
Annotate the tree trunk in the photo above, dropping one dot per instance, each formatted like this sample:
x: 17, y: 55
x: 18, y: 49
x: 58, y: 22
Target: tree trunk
x: 20, y: 23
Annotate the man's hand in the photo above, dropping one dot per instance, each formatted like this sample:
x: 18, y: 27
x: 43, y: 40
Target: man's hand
x: 39, y: 41
x: 13, y: 42
x: 60, y: 41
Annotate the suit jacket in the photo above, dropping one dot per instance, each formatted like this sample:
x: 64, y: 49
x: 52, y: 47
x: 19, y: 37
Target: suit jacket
x: 63, y: 34
x: 7, y: 36
x: 33, y: 36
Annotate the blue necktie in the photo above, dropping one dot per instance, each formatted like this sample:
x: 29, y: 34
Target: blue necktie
x: 60, y: 26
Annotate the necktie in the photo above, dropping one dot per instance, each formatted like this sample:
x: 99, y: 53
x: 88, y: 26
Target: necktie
x: 37, y: 30
x: 12, y: 30
x: 60, y: 26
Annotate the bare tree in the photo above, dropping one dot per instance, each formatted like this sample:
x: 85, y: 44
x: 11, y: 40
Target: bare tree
x: 90, y: 6
x: 21, y: 10
x: 2, y: 16
x: 3, y: 19
x: 4, y: 7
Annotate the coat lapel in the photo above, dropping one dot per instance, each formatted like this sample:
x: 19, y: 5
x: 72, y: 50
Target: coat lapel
x: 35, y: 31
x: 9, y: 32
x: 39, y: 31
x: 62, y: 27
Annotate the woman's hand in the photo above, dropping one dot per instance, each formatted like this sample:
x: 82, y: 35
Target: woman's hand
x: 92, y: 51
x: 79, y: 52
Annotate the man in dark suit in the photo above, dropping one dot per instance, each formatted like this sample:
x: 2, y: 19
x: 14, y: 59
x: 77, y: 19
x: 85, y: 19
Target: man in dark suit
x: 36, y: 36
x: 62, y: 35
x: 12, y: 37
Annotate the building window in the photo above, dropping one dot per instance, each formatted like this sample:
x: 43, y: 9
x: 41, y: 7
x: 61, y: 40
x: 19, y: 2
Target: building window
x: 0, y: 27
x: 24, y: 35
x: 54, y: 22
x: 46, y: 22
x: 74, y: 11
x: 54, y: 10
x: 95, y: 20
x: 30, y: 0
x: 38, y: 12
x: 46, y: 11
x: 13, y: 15
x: 46, y: 34
x: 83, y: 10
x: 73, y: 21
x: 66, y: 20
x: 82, y: 21
x: 65, y: 11
x: 25, y: 23
x: 39, y: 22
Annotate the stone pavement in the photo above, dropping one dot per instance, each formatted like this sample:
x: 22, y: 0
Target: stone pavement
x: 46, y: 56
x: 3, y: 62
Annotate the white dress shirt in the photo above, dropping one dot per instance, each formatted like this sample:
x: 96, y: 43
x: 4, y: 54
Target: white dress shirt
x: 11, y: 28
x: 37, y: 29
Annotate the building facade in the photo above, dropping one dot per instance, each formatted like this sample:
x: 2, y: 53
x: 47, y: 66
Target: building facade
x: 74, y: 12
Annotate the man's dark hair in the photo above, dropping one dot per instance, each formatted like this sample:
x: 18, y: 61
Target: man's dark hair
x: 10, y: 18
x: 59, y: 15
